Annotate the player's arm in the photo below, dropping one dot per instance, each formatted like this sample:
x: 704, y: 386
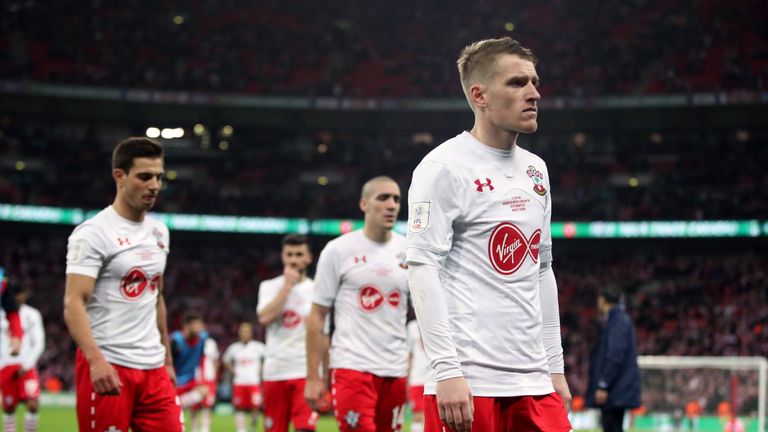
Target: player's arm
x: 12, y: 315
x: 434, y: 206
x: 162, y: 328
x: 77, y: 292
x: 36, y: 336
x: 228, y: 360
x: 272, y: 310
x: 550, y: 310
x: 314, y: 389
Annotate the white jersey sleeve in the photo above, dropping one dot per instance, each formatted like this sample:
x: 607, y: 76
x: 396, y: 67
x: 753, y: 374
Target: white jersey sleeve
x: 33, y: 344
x: 327, y: 279
x: 86, y: 251
x: 433, y: 208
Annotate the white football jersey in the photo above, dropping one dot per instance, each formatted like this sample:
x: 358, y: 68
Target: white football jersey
x: 367, y: 285
x: 482, y: 216
x: 127, y: 259
x: 207, y: 371
x: 285, y: 357
x: 420, y: 370
x: 245, y: 359
x: 32, y: 343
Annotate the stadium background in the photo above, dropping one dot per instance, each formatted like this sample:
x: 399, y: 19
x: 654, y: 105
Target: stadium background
x: 651, y: 112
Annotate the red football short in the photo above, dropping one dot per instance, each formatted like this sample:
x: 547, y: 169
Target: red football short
x: 284, y: 403
x: 417, y: 398
x: 17, y: 389
x: 545, y: 413
x: 210, y: 399
x: 147, y: 401
x: 363, y: 402
x: 246, y: 397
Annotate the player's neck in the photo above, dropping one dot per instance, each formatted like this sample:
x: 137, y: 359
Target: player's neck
x: 377, y: 234
x: 494, y: 137
x: 126, y: 211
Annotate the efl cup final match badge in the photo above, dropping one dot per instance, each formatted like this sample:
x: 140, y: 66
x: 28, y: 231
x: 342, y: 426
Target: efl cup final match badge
x: 538, y: 180
x: 419, y: 217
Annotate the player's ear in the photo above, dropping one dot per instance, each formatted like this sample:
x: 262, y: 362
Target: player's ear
x: 477, y: 95
x: 119, y: 175
x: 363, y: 205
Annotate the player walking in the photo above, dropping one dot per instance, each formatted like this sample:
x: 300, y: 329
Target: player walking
x: 113, y: 303
x: 243, y: 359
x: 362, y: 275
x: 284, y: 303
x: 480, y: 254
x: 18, y: 376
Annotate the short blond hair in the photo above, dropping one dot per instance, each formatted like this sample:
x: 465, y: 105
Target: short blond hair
x: 477, y: 59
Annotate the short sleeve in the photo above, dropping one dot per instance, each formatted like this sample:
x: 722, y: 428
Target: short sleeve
x: 267, y: 293
x: 545, y: 247
x: 433, y: 206
x: 86, y: 251
x: 327, y: 278
x: 229, y: 354
x: 211, y: 349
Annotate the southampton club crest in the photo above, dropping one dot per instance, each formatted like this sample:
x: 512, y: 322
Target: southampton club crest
x: 538, y: 180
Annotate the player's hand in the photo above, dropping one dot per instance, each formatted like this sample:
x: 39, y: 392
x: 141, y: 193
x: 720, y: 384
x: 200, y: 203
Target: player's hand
x: 561, y: 388
x: 601, y: 397
x: 314, y: 392
x: 20, y: 372
x: 104, y: 378
x: 15, y: 345
x: 291, y: 275
x: 454, y: 403
x: 171, y: 373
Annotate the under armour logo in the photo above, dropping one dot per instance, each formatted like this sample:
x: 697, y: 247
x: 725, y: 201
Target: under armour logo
x: 123, y: 241
x: 480, y: 185
x: 113, y: 429
x: 361, y: 259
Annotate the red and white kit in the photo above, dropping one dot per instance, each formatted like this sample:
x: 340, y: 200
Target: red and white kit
x: 246, y: 359
x: 367, y: 285
x: 207, y: 373
x: 127, y: 259
x: 285, y: 358
x: 480, y: 244
x: 25, y: 387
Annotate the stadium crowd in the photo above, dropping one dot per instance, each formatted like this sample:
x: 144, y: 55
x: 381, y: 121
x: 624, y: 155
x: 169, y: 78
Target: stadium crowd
x: 686, y: 304
x: 351, y: 49
x: 279, y: 173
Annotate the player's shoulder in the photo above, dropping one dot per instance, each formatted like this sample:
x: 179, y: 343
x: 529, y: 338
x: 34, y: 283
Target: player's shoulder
x: 450, y: 151
x: 398, y: 239
x: 96, y: 226
x: 531, y: 158
x: 156, y: 223
x: 344, y: 242
x: 275, y: 281
x: 30, y: 310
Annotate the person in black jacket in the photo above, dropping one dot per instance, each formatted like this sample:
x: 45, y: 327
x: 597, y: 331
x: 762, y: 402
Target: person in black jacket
x: 614, y: 377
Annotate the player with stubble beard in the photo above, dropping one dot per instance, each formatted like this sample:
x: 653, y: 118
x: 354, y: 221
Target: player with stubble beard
x: 480, y: 259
